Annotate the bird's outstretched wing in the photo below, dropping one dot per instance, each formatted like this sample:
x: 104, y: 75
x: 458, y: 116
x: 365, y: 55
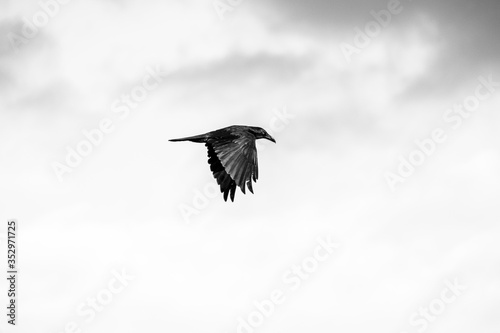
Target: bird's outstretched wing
x: 227, y: 184
x: 233, y: 161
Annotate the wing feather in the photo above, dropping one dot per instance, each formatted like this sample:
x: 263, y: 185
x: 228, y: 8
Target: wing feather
x: 233, y: 160
x: 223, y: 178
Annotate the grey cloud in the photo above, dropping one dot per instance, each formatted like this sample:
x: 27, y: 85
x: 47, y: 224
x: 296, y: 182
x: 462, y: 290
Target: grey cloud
x: 239, y: 67
x: 466, y: 31
x: 324, y: 12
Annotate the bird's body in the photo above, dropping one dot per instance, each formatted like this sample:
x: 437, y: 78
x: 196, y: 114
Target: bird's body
x: 232, y: 156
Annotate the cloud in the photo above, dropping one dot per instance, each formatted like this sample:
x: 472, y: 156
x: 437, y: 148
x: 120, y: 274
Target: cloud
x: 464, y: 29
x: 323, y: 13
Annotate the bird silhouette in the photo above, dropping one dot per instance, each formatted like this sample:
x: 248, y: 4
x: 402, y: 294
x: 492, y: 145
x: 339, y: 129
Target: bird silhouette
x: 232, y: 156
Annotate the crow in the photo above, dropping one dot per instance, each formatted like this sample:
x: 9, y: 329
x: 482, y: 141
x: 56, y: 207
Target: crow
x: 232, y: 155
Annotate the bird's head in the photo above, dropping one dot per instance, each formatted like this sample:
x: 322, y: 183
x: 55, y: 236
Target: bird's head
x: 261, y: 133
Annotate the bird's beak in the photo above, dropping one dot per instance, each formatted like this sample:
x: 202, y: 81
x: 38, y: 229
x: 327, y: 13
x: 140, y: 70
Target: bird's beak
x: 270, y: 138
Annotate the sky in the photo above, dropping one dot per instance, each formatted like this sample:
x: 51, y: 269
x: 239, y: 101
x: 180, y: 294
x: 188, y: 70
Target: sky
x: 376, y: 210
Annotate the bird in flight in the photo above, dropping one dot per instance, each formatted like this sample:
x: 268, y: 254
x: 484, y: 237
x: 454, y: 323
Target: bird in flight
x: 232, y: 156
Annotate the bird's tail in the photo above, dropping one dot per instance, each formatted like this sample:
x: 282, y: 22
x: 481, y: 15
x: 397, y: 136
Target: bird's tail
x: 197, y: 138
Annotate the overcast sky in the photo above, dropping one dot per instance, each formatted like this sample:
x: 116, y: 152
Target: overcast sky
x: 117, y: 79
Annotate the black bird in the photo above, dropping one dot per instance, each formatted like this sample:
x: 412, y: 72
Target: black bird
x: 232, y: 155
